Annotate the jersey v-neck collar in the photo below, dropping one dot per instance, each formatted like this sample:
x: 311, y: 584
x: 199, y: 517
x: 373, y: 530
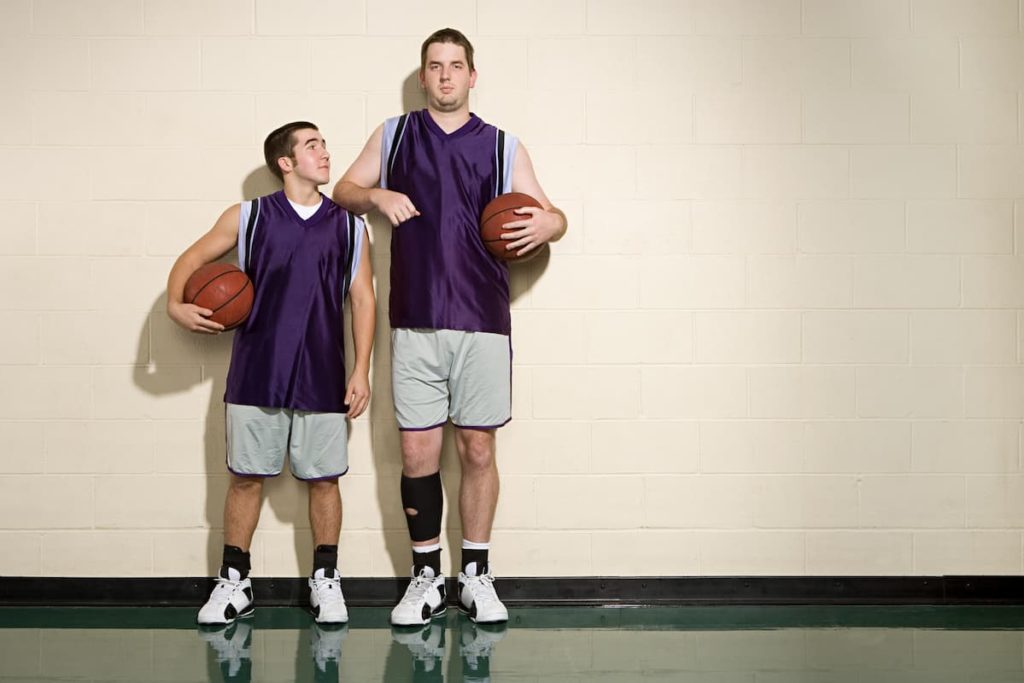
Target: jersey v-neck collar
x: 468, y: 127
x: 294, y: 215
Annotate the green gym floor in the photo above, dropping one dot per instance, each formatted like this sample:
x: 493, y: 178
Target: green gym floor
x: 689, y: 644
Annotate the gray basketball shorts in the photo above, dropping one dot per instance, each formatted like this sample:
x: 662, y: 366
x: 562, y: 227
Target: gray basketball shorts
x: 259, y: 439
x: 442, y: 374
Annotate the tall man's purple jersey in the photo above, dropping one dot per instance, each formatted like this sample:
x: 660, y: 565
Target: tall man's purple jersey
x: 290, y: 353
x: 442, y: 276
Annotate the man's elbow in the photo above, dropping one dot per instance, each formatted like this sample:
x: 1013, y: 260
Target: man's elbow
x: 363, y: 302
x: 339, y: 192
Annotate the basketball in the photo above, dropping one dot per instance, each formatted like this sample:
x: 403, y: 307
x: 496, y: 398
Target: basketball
x: 499, y: 211
x: 224, y: 289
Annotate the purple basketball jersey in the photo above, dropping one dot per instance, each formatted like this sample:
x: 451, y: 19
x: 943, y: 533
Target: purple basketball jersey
x: 290, y: 352
x: 442, y: 276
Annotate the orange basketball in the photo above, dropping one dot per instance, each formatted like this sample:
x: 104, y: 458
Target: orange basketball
x: 499, y: 211
x: 224, y: 289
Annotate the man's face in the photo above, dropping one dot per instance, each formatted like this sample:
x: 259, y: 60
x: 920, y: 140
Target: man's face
x: 310, y: 159
x: 446, y: 77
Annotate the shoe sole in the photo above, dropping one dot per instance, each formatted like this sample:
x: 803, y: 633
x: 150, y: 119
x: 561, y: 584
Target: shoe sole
x: 316, y: 617
x: 328, y: 623
x: 220, y: 624
x: 493, y: 622
x: 413, y: 624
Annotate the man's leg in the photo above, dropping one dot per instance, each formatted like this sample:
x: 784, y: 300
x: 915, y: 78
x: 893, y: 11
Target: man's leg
x: 255, y: 451
x: 325, y: 512
x: 420, y: 362
x: 422, y: 496
x: 421, y: 485
x: 232, y: 596
x: 478, y: 495
x: 242, y: 511
x: 478, y: 498
x: 481, y: 403
x: 326, y: 599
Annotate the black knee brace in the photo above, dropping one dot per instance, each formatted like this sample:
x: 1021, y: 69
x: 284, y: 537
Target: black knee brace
x: 423, y: 494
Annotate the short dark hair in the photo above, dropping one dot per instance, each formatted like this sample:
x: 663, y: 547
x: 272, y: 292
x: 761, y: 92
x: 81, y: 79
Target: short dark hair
x: 281, y: 142
x: 447, y: 35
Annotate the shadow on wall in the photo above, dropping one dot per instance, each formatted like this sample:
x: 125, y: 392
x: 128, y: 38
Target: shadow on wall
x: 174, y: 350
x: 284, y: 495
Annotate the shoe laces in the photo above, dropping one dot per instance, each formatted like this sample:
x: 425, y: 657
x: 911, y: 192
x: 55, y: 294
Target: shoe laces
x: 483, y: 588
x: 419, y: 585
x: 225, y: 587
x: 328, y: 589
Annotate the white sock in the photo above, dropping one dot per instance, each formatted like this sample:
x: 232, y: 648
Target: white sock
x: 426, y: 548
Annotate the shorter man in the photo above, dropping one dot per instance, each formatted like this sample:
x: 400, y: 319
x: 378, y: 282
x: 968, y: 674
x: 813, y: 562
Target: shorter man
x: 286, y: 390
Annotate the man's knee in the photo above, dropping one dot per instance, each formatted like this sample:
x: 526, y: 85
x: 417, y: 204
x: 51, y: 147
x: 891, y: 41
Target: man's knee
x: 478, y: 449
x: 421, y: 453
x: 246, y: 485
x: 324, y: 489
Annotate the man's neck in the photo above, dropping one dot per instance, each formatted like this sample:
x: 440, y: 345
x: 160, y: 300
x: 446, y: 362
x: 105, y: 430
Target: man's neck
x: 302, y: 193
x: 450, y: 121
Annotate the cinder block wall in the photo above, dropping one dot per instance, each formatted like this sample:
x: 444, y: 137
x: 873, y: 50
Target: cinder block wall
x: 783, y: 336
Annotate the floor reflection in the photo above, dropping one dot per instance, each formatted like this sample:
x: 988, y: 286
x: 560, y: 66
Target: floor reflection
x: 717, y: 645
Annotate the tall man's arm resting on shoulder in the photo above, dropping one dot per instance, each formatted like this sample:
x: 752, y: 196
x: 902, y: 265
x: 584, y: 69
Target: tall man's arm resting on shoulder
x: 357, y: 190
x: 221, y: 239
x: 538, y: 225
x: 364, y: 320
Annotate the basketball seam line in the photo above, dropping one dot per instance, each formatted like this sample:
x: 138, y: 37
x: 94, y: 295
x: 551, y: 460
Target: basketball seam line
x: 248, y: 283
x: 210, y: 282
x: 484, y: 219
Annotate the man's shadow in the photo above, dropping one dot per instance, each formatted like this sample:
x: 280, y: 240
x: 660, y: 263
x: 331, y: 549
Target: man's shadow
x: 386, y: 440
x: 176, y: 357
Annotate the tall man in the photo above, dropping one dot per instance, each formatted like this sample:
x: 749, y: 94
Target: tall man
x: 431, y: 172
x: 286, y: 389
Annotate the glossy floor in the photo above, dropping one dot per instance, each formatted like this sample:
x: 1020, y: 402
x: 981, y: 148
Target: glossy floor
x: 689, y: 644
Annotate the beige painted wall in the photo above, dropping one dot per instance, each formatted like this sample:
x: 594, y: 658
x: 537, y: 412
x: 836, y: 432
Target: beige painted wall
x: 783, y: 336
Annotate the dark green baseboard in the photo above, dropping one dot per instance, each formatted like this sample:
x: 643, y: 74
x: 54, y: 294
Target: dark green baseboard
x: 543, y: 591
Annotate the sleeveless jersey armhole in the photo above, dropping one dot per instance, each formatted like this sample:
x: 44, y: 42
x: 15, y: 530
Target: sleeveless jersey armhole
x: 247, y: 218
x: 355, y: 229
x: 394, y: 128
x: 505, y: 154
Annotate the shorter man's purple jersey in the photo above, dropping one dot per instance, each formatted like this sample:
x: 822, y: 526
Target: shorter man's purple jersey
x: 442, y: 276
x: 290, y: 353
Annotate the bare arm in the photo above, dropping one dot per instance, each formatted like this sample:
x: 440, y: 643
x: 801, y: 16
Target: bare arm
x: 220, y: 239
x: 364, y: 322
x: 357, y: 190
x: 538, y: 226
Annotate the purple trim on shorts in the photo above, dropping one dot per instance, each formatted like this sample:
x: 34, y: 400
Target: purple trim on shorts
x: 245, y: 474
x: 485, y: 428
x: 422, y: 429
x: 327, y: 478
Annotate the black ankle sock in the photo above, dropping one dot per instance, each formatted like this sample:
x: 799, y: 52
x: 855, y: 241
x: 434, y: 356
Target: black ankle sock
x: 235, y: 558
x: 478, y: 556
x: 431, y: 559
x: 325, y: 557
